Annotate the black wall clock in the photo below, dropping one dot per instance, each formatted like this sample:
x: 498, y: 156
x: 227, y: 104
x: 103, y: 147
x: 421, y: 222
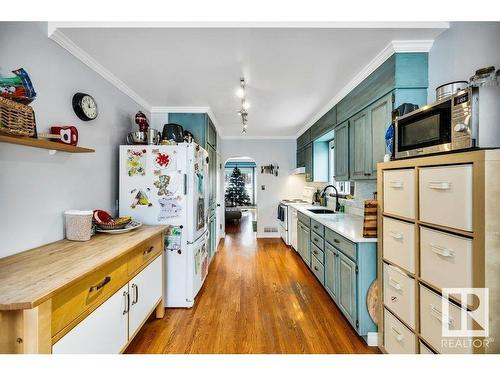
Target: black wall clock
x: 84, y: 106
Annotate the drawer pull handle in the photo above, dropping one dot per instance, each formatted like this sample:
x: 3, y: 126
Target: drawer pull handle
x: 336, y: 241
x: 399, y: 337
x: 315, y: 227
x: 127, y: 303
x: 135, y: 290
x: 396, y: 184
x: 394, y: 284
x: 443, y: 251
x: 436, y: 313
x: 440, y: 185
x: 147, y: 251
x: 95, y: 288
x: 315, y: 252
x: 315, y: 239
x: 396, y: 235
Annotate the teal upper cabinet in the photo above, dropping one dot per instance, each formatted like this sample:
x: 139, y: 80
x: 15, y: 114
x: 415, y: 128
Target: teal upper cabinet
x: 400, y: 71
x: 324, y: 124
x: 341, y: 150
x: 359, y: 153
x: 308, y: 157
x: 199, y: 124
x: 304, y: 139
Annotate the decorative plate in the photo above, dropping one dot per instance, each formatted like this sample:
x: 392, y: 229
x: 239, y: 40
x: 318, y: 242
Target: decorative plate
x: 130, y: 226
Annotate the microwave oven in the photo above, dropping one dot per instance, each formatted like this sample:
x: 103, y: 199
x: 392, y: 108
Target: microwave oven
x: 461, y: 121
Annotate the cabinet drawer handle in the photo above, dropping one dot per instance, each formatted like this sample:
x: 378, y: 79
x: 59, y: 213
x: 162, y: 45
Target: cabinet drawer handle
x: 394, y: 284
x: 439, y: 185
x: 135, y: 290
x: 316, y: 268
x: 147, y: 251
x: 127, y: 303
x: 399, y: 337
x: 396, y: 184
x: 315, y: 239
x: 396, y: 235
x: 367, y: 174
x: 315, y: 227
x: 336, y: 241
x: 315, y: 252
x: 436, y: 313
x: 440, y: 250
x: 95, y: 288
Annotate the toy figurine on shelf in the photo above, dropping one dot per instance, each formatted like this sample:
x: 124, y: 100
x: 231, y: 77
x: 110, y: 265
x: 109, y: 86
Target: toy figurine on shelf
x: 18, y: 88
x: 142, y: 121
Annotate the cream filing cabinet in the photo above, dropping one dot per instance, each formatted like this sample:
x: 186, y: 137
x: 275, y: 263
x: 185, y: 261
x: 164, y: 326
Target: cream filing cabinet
x: 439, y: 227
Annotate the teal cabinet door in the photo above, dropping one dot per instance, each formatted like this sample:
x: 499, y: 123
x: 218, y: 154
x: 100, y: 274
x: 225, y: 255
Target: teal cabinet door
x: 341, y: 150
x: 331, y: 271
x: 301, y: 161
x: 380, y: 119
x: 303, y: 243
x: 347, y: 288
x: 360, y: 155
x: 308, y: 150
x: 212, y: 176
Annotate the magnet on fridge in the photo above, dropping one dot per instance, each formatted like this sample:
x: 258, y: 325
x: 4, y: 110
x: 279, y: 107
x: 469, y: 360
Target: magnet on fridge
x: 136, y: 162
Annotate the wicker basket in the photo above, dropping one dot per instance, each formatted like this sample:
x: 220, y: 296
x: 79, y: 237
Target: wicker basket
x: 112, y: 225
x: 16, y: 118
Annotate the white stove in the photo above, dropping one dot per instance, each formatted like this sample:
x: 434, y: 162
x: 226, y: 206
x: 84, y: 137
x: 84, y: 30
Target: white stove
x: 287, y: 216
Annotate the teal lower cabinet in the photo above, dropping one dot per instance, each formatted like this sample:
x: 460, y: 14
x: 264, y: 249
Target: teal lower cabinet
x: 304, y: 242
x: 350, y: 269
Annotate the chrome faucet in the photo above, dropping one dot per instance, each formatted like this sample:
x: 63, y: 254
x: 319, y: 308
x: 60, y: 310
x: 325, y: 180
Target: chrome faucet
x: 323, y: 194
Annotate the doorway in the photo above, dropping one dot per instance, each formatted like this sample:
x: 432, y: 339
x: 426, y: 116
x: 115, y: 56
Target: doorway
x: 240, y: 195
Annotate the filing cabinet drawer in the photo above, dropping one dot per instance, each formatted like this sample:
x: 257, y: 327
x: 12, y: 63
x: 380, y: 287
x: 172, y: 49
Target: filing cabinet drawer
x: 446, y: 196
x: 317, y: 240
x: 399, y: 192
x: 318, y: 228
x: 399, y: 243
x: 341, y: 243
x: 445, y: 259
x: 424, y: 349
x: 399, y: 294
x: 431, y: 318
x: 318, y: 253
x: 318, y: 269
x: 398, y: 339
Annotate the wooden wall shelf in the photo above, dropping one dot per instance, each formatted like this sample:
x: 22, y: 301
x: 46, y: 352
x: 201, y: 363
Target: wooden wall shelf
x: 43, y: 143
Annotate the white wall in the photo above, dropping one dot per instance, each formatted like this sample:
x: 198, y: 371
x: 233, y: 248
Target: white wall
x: 460, y: 51
x: 35, y: 188
x: 264, y: 152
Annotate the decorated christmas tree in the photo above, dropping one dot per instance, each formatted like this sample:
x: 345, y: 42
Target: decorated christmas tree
x: 236, y: 192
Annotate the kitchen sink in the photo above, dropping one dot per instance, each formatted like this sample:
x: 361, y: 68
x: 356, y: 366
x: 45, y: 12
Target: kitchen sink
x: 321, y: 211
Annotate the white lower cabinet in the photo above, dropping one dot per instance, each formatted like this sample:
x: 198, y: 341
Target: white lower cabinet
x: 105, y: 330
x: 399, y: 294
x: 145, y: 291
x: 108, y: 329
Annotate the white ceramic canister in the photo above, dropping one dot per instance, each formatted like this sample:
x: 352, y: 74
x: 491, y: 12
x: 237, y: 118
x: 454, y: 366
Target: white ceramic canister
x: 78, y: 225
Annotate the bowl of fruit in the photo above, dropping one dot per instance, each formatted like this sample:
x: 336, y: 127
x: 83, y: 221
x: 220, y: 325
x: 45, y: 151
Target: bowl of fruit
x: 105, y: 221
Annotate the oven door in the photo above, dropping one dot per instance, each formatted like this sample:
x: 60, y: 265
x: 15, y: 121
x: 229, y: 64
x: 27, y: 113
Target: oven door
x: 425, y: 131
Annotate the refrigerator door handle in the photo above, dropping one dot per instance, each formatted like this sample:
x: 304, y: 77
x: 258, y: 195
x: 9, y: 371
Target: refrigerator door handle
x: 185, y: 183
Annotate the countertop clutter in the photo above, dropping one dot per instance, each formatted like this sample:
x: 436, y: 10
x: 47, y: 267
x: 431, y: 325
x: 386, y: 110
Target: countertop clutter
x: 348, y: 225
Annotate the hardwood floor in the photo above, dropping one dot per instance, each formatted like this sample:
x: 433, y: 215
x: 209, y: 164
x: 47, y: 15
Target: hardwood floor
x: 259, y: 297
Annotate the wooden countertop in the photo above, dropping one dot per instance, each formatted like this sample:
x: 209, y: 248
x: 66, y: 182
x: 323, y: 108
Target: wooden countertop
x: 31, y: 277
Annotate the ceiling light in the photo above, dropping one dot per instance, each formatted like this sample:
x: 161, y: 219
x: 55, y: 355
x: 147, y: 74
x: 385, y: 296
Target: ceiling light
x: 244, y: 105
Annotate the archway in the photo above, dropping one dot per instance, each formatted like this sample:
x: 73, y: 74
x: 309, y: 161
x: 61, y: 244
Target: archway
x: 240, y: 196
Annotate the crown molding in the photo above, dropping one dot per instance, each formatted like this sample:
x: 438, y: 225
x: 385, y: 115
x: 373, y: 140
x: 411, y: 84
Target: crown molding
x: 400, y: 46
x: 61, y: 39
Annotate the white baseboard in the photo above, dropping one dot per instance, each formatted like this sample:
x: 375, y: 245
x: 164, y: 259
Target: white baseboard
x: 372, y: 339
x: 268, y: 235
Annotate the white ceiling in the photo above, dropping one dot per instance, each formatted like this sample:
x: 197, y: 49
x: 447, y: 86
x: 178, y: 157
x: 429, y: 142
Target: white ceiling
x: 291, y: 73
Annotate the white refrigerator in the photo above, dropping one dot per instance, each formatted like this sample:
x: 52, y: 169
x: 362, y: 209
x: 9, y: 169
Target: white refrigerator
x: 169, y: 185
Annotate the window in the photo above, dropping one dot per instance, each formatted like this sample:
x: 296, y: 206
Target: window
x: 343, y: 187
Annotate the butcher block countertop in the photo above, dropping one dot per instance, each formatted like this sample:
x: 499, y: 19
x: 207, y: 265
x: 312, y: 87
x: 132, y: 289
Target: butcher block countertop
x: 29, y: 278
